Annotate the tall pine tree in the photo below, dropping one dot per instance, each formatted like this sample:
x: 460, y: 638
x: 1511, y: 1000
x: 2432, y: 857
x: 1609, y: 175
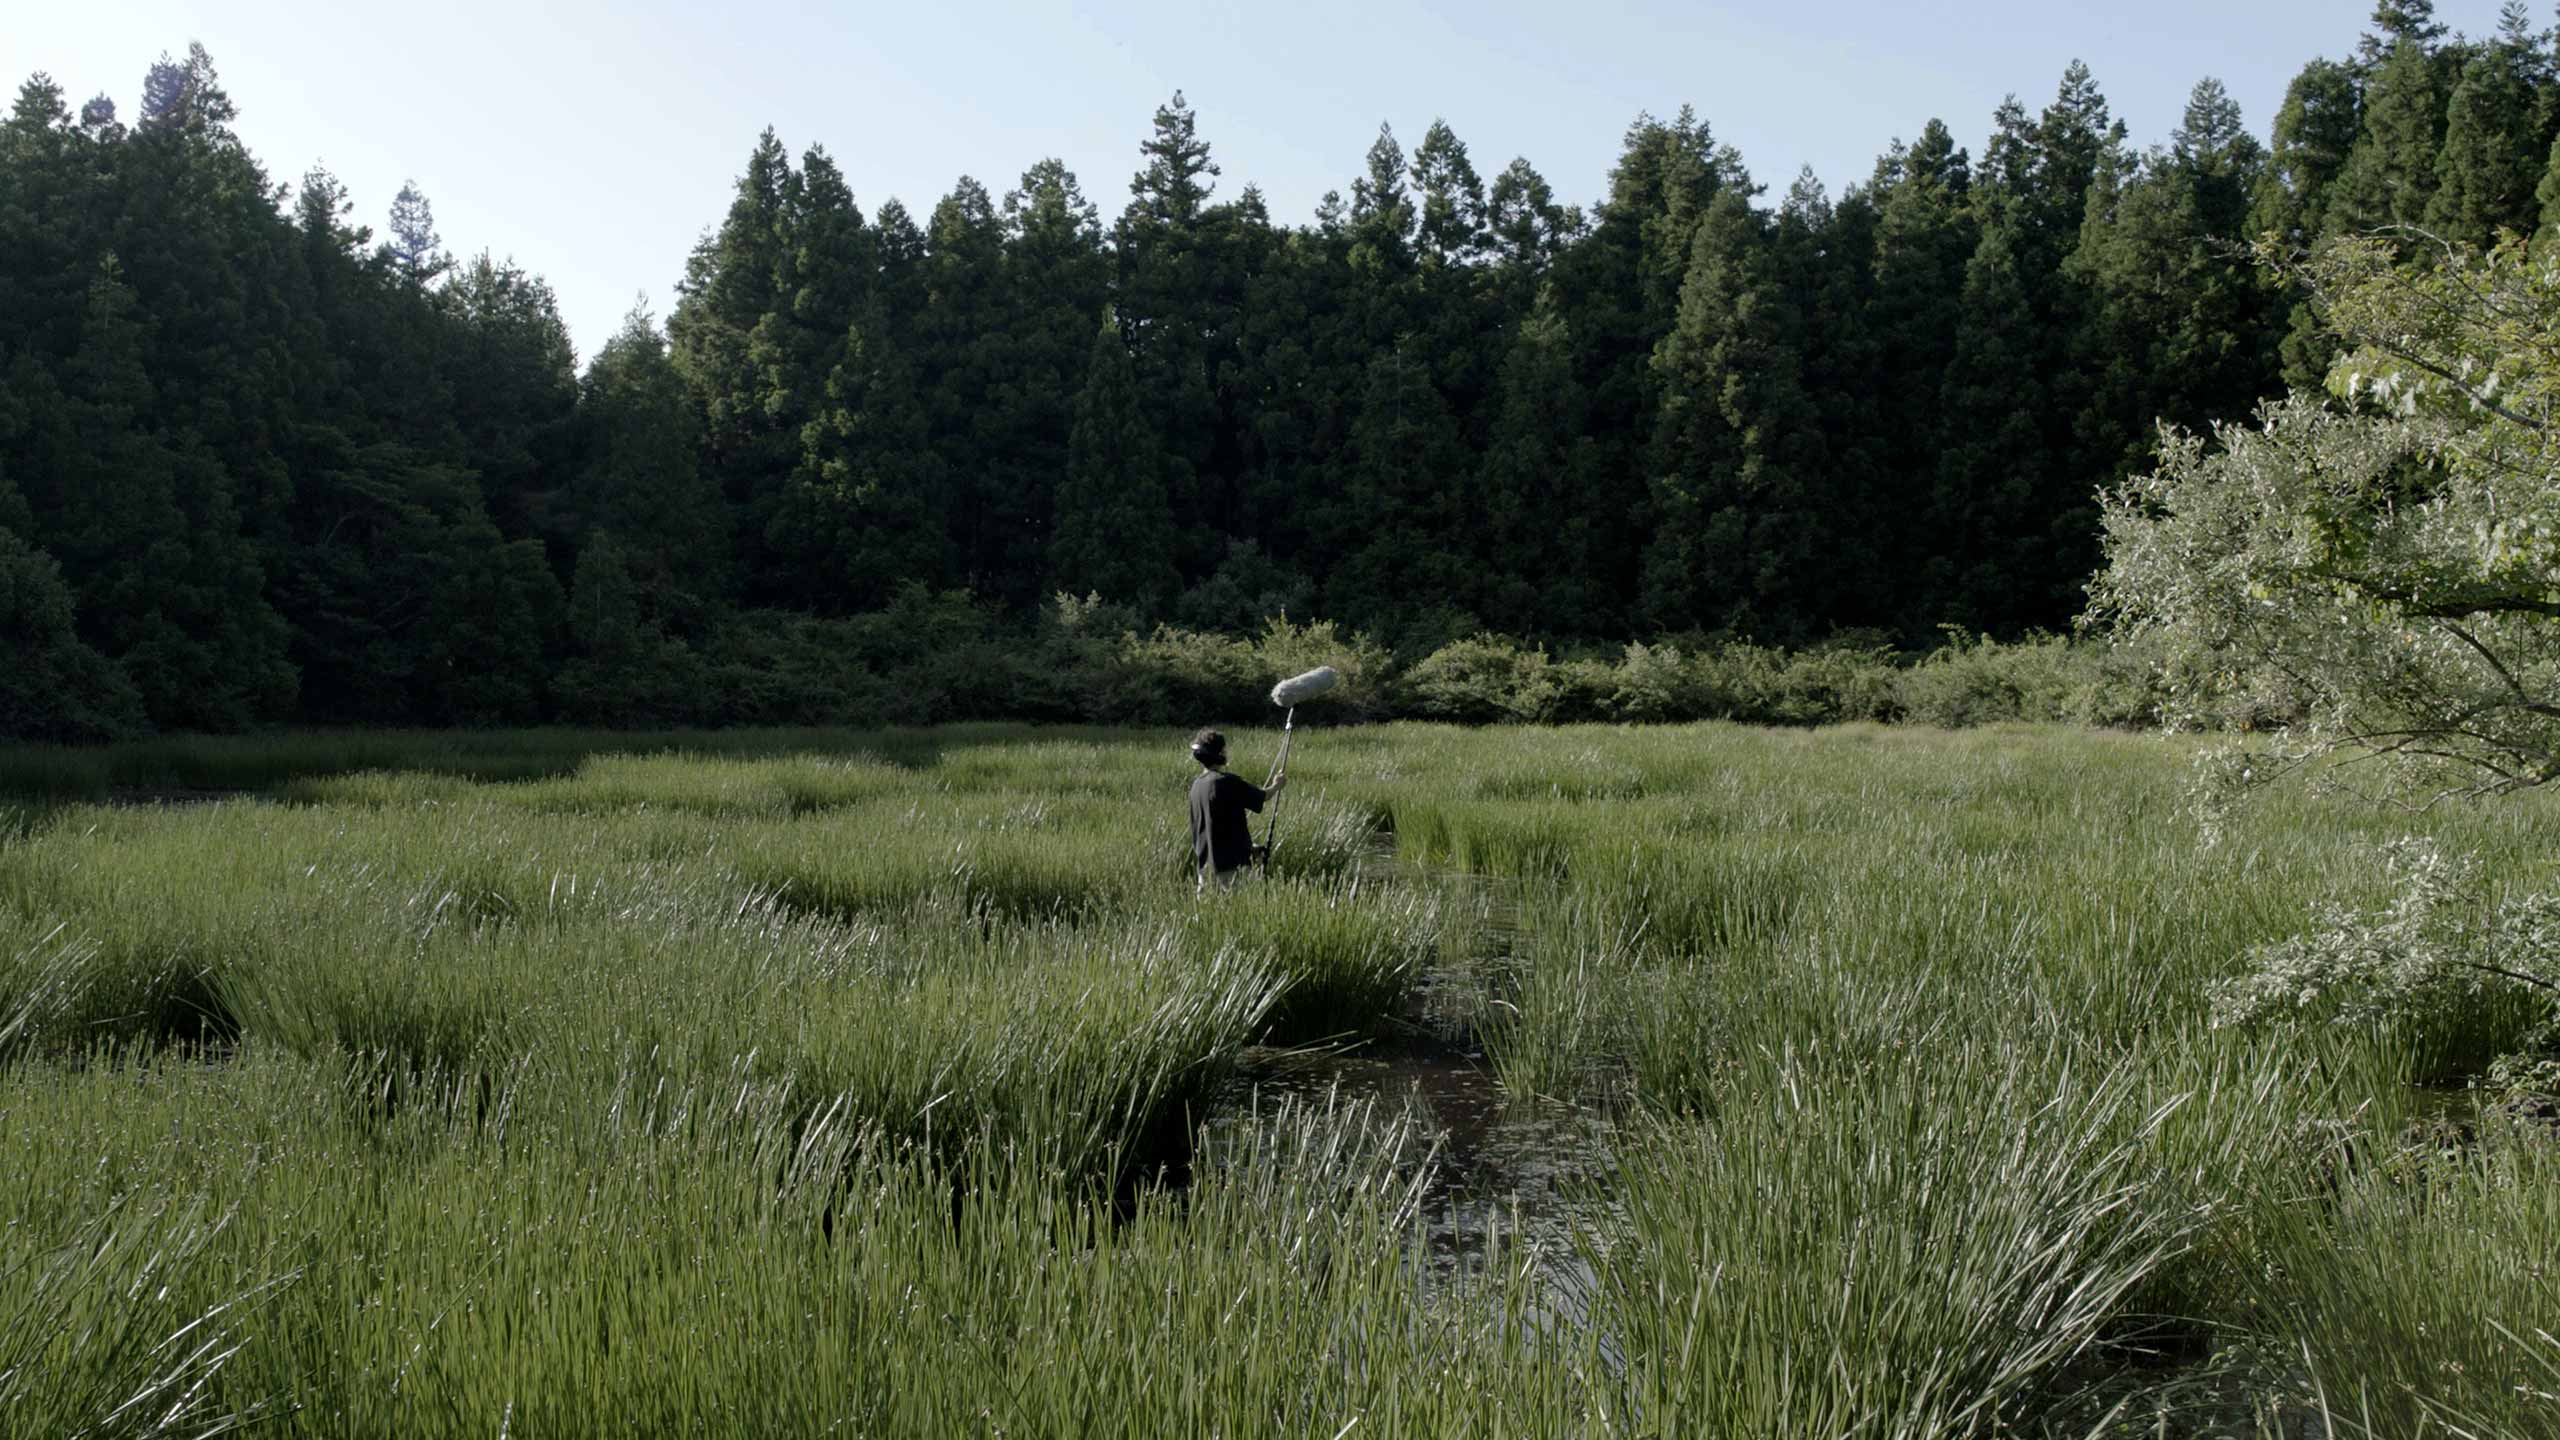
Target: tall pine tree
x: 2493, y: 155
x: 1115, y: 520
x: 729, y: 288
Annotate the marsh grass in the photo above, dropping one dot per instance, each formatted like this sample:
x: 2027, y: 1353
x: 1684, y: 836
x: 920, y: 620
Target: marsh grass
x: 1836, y: 1255
x: 1952, y: 914
x: 770, y: 1081
x: 110, y: 1331
x: 743, y: 1258
x: 2422, y: 1299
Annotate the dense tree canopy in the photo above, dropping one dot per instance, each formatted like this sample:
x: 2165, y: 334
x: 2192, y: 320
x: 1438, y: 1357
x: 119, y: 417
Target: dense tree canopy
x: 2387, y: 568
x: 258, y: 465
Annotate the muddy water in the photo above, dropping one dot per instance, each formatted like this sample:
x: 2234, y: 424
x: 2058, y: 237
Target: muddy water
x: 1528, y: 1169
x: 1531, y: 1169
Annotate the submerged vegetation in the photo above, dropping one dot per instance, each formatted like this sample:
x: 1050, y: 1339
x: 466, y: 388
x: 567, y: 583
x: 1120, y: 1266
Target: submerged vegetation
x: 896, y: 1082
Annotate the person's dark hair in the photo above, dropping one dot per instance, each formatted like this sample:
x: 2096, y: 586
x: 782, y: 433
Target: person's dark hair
x: 1209, y: 747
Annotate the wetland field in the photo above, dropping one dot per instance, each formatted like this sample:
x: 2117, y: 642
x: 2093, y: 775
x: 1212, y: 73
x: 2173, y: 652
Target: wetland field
x: 1580, y: 1081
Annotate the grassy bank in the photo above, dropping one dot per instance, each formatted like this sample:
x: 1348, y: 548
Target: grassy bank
x: 774, y: 1081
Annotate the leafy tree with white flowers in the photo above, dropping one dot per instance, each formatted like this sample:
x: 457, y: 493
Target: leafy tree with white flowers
x: 2378, y: 567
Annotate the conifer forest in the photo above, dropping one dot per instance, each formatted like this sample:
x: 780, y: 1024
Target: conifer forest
x: 1919, y: 813
x: 263, y: 461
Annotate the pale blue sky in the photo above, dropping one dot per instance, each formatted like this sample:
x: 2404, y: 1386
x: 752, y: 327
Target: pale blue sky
x: 594, y: 142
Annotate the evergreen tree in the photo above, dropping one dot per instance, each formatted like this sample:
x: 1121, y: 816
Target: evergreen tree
x: 410, y: 600
x: 98, y: 120
x: 899, y: 291
x: 1451, y: 229
x: 822, y: 278
x: 2548, y: 192
x: 1115, y: 517
x: 964, y: 332
x: 2398, y: 22
x: 1459, y: 330
x: 2491, y: 161
x: 1986, y: 528
x: 639, y: 479
x: 55, y: 689
x: 1535, y: 570
x: 1443, y: 403
x: 2073, y: 137
x: 2223, y: 361
x: 1056, y: 275
x: 1526, y: 230
x: 45, y: 265
x: 255, y: 444
x: 1400, y: 563
x: 1826, y: 252
x: 513, y: 391
x: 623, y: 669
x: 2315, y: 132
x: 1737, y: 524
x: 2180, y: 327
x: 353, y: 551
x: 1694, y: 541
x: 1303, y: 358
x: 866, y: 511
x: 1174, y: 321
x: 1245, y: 245
x: 2390, y: 176
x: 415, y: 246
x: 491, y: 622
x: 1384, y: 294
x: 14, y: 514
x: 1621, y: 287
x: 185, y: 97
x: 1926, y: 232
x: 824, y: 284
x: 730, y: 286
x: 2006, y: 176
x: 150, y: 541
x: 2080, y: 147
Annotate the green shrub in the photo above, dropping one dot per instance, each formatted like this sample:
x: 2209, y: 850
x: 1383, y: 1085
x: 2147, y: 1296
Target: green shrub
x: 2465, y: 975
x: 1365, y: 666
x: 1752, y: 684
x: 1973, y: 680
x: 1836, y: 684
x: 1478, y: 681
x: 1656, y: 683
x: 1584, y: 685
x: 1186, y: 677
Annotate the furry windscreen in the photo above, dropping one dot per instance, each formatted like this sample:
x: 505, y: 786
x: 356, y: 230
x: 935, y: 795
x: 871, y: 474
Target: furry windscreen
x: 1300, y: 688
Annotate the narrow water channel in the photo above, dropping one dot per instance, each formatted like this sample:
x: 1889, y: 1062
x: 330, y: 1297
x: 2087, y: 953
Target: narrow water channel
x: 1525, y: 1167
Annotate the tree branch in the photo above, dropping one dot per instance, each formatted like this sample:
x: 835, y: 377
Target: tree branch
x: 2497, y: 666
x: 2458, y: 383
x: 2447, y: 609
x: 2517, y: 975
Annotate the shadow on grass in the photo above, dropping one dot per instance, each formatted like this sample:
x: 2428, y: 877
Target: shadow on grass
x: 44, y: 775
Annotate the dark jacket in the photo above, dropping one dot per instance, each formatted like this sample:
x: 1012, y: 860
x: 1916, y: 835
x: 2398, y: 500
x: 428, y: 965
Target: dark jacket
x: 1220, y: 838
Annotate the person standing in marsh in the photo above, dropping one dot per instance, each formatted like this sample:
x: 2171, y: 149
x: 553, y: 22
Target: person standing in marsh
x: 1221, y: 839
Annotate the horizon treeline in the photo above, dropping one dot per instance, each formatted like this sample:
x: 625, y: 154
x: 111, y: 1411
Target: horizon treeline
x: 258, y: 465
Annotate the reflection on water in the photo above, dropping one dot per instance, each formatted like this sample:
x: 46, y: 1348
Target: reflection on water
x: 1526, y: 1168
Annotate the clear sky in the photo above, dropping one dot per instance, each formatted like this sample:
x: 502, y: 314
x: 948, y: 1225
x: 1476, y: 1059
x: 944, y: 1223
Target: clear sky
x: 594, y: 142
